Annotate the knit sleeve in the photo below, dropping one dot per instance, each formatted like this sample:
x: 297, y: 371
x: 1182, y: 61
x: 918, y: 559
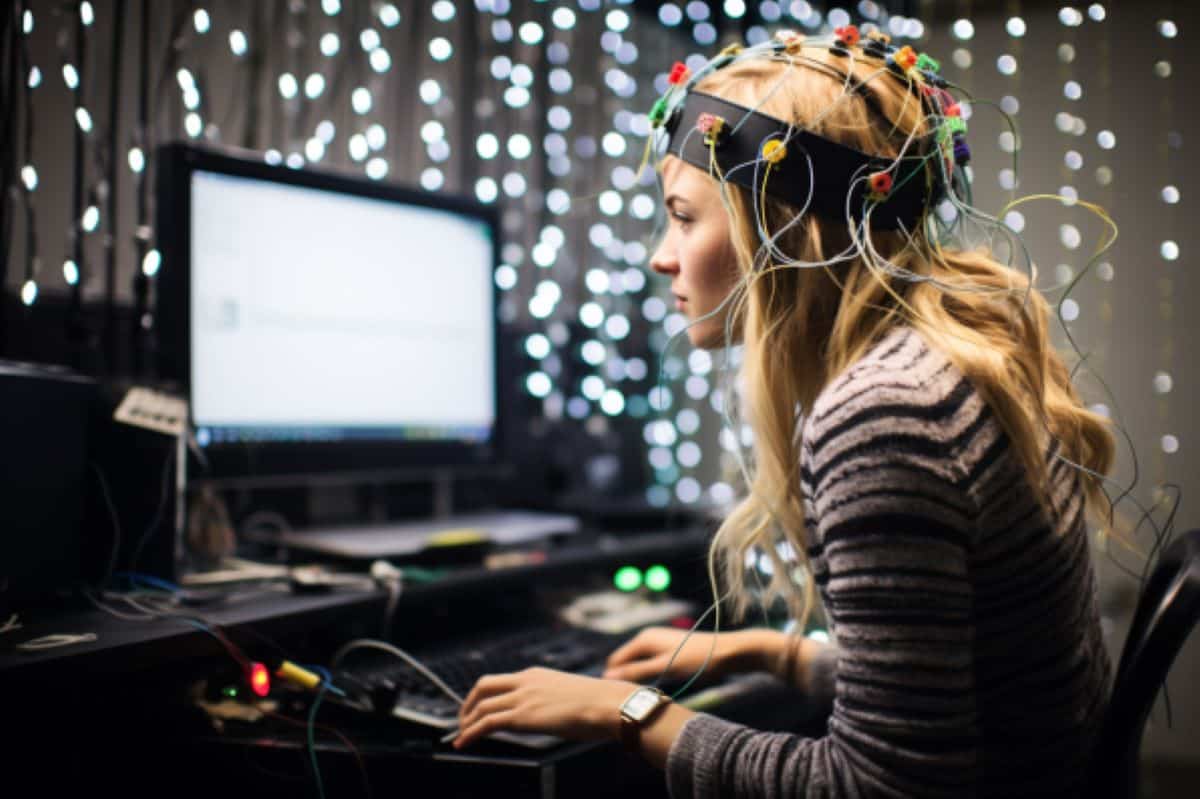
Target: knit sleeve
x: 893, y: 529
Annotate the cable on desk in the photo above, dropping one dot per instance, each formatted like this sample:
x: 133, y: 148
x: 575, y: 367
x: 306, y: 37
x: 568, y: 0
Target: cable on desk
x: 116, y: 525
x: 176, y: 593
x: 149, y: 609
x: 158, y: 511
x: 55, y: 641
x: 151, y: 612
x: 151, y: 580
x: 311, y: 737
x: 341, y: 736
x: 391, y: 580
x: 368, y: 643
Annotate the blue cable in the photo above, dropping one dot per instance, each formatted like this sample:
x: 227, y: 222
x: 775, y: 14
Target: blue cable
x: 312, y: 743
x: 148, y: 579
x: 324, y: 672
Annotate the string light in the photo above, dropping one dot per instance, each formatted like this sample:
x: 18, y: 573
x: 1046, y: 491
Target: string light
x: 578, y: 150
x: 376, y: 136
x: 360, y: 100
x: 91, y: 219
x: 380, y: 60
x: 440, y: 48
x: 151, y: 262
x: 389, y: 15
x: 288, y: 87
x: 314, y: 149
x: 238, y: 43
x: 314, y: 85
x: 377, y: 168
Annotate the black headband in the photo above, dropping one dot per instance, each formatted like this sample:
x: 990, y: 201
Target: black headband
x: 901, y: 189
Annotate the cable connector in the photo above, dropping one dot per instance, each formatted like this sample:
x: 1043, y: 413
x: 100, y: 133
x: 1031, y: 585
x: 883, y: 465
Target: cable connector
x: 290, y: 672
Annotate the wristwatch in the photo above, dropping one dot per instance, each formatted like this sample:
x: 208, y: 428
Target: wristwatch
x: 636, y: 710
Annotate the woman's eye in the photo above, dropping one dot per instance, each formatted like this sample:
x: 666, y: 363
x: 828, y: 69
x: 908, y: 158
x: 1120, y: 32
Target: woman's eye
x: 681, y: 218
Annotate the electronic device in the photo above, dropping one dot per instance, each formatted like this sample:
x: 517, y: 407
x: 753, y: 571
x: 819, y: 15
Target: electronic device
x: 636, y: 710
x: 387, y: 686
x: 323, y: 323
x: 43, y: 479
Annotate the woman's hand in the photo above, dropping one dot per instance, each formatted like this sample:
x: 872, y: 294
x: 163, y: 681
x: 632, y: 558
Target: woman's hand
x: 545, y: 701
x: 646, y: 655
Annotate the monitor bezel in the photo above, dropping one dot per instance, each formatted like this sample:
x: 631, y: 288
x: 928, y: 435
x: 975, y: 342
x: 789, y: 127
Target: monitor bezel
x: 176, y: 162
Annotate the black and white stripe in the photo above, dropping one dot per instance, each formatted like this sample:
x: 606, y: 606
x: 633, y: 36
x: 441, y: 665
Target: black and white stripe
x: 969, y: 654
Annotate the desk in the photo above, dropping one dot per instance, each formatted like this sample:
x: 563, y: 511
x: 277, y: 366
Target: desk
x: 155, y: 644
x: 105, y: 715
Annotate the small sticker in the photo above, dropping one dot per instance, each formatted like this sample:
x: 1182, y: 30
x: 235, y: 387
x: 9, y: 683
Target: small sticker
x: 153, y: 410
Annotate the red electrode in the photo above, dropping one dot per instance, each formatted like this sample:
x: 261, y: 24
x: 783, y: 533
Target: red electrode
x: 260, y: 680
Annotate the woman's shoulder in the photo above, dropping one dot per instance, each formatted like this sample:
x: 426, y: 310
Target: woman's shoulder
x: 901, y: 368
x: 901, y: 389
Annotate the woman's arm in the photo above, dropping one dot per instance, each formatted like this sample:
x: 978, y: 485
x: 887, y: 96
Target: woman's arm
x: 663, y: 652
x: 805, y: 663
x: 894, y: 528
x: 795, y: 660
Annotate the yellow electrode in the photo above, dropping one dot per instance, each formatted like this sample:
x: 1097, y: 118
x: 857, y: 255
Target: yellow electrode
x: 292, y: 673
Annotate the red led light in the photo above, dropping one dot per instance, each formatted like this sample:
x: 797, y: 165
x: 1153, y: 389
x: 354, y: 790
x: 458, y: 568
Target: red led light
x: 260, y: 679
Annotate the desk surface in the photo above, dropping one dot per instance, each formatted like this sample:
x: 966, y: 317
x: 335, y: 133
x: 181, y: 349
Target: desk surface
x: 134, y: 741
x: 122, y: 645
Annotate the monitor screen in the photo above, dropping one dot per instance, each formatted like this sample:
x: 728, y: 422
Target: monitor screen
x: 333, y: 322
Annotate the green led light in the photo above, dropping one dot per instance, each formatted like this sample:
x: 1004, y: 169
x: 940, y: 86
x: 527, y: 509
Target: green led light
x: 231, y: 692
x: 628, y: 578
x: 658, y: 578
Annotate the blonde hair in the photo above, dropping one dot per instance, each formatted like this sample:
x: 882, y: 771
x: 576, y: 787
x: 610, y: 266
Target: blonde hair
x: 802, y: 327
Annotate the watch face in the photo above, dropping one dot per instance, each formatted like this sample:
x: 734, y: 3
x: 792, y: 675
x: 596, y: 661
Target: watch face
x: 639, y: 705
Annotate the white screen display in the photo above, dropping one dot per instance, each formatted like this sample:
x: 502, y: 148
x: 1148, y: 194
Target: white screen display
x: 313, y: 309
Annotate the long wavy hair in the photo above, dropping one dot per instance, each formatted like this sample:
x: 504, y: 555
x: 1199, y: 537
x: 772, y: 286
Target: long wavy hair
x: 802, y: 327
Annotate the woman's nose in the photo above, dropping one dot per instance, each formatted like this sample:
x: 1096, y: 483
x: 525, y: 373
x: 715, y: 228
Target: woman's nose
x: 664, y: 260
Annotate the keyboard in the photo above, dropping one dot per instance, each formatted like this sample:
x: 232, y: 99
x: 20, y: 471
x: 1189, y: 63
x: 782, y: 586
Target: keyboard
x: 385, y: 685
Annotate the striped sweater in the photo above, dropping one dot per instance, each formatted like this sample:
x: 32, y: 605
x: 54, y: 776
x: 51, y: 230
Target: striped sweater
x: 969, y: 659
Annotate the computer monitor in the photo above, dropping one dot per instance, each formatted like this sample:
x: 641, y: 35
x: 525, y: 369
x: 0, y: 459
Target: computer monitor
x: 325, y: 323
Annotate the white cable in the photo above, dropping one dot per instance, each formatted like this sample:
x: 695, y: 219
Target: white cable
x: 13, y: 623
x: 369, y: 643
x: 56, y: 640
x: 113, y: 611
x: 391, y: 580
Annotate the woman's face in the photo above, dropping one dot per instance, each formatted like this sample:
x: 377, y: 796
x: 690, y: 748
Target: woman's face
x: 697, y: 252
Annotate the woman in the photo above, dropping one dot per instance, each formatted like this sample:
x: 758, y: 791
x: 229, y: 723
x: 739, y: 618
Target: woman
x: 917, y: 443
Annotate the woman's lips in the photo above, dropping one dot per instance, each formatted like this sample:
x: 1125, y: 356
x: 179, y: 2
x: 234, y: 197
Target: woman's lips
x: 679, y: 303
